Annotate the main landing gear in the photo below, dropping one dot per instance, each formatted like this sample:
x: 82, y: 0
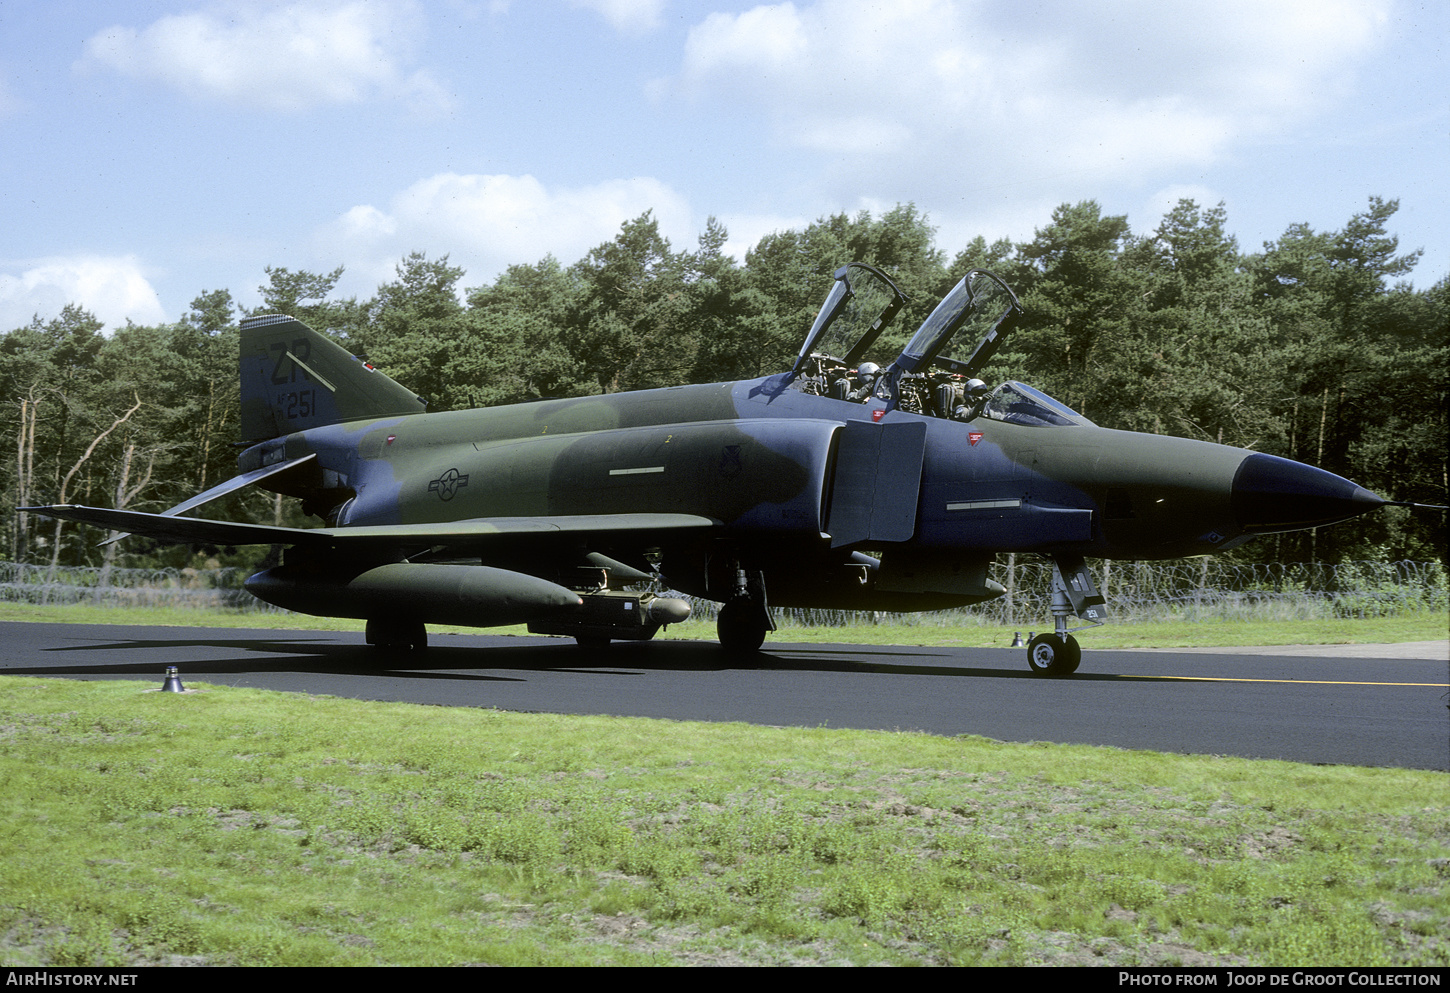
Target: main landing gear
x: 397, y: 635
x: 1073, y: 593
x: 744, y: 619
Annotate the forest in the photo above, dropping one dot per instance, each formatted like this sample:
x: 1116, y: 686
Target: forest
x: 1316, y: 347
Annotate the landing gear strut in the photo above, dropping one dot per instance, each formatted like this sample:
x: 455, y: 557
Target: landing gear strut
x: 1073, y: 593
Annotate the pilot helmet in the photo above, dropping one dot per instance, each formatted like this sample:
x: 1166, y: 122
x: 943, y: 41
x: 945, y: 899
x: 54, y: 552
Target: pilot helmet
x: 976, y: 388
x: 868, y: 370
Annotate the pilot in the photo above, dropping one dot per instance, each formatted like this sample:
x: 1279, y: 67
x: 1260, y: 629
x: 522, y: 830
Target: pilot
x: 866, y: 377
x: 974, y: 399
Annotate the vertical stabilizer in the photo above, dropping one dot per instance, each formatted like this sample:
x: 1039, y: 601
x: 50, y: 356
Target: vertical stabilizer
x: 294, y: 378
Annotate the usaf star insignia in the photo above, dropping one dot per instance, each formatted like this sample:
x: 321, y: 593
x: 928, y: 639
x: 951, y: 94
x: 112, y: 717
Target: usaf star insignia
x: 448, y: 484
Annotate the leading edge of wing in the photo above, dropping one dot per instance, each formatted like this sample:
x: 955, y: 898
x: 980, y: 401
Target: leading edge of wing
x: 195, y: 531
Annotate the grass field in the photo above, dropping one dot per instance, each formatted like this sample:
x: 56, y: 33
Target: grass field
x: 232, y: 826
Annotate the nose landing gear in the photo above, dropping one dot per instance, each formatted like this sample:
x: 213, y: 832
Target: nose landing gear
x: 1073, y: 593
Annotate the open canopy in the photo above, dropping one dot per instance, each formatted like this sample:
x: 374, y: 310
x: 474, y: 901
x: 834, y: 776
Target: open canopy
x: 936, y: 371
x: 962, y: 332
x: 862, y: 301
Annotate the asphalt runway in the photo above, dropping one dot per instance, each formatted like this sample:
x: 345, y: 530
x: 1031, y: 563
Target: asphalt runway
x: 1315, y: 706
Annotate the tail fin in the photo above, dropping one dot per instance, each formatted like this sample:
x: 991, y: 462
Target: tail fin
x: 294, y: 378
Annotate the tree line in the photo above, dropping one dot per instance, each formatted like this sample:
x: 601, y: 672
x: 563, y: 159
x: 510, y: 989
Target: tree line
x: 1316, y: 348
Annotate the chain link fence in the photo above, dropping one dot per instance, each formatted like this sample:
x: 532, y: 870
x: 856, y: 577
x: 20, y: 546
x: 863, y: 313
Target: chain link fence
x: 1193, y: 589
x: 1188, y: 590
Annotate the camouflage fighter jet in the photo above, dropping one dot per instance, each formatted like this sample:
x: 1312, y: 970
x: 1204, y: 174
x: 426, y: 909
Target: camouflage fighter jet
x: 837, y: 484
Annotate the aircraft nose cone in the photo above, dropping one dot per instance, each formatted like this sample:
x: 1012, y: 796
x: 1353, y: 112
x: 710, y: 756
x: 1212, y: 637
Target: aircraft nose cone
x: 1273, y: 494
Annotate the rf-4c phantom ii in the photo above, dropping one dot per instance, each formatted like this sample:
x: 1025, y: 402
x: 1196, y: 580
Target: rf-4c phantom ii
x: 837, y: 484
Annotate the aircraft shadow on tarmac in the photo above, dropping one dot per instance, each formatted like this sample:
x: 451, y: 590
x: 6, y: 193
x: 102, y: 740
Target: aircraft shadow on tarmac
x: 469, y: 662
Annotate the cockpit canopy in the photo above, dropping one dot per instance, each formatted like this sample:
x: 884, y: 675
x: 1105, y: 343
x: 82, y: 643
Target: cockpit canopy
x: 974, y: 313
x: 862, y: 301
x: 1018, y: 403
x: 935, y: 373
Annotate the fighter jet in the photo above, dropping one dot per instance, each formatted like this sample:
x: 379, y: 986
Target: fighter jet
x: 837, y: 484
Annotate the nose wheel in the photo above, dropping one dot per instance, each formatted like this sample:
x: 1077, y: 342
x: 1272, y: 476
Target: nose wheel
x: 1051, y: 655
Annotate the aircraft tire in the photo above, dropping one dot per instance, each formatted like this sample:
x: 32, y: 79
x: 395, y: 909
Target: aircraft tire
x: 1049, y: 655
x: 397, y: 635
x: 741, y: 627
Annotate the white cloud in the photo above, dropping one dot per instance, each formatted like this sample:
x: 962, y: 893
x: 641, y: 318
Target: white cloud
x: 768, y: 40
x: 746, y: 230
x: 629, y: 16
x: 278, y: 57
x: 113, y: 288
x: 487, y: 223
x: 949, y: 93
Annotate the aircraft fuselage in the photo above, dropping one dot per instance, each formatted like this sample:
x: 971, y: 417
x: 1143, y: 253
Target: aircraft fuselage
x: 800, y: 482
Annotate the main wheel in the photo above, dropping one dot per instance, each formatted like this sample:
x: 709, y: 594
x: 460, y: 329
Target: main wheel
x: 741, y: 626
x: 397, y: 635
x: 1049, y: 655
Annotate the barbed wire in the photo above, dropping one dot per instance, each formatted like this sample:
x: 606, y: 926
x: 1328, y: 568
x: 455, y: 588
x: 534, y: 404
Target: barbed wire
x: 1194, y: 589
x: 116, y: 587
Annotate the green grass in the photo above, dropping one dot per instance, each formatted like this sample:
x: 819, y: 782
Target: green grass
x: 232, y: 826
x: 1158, y: 634
x: 1148, y: 634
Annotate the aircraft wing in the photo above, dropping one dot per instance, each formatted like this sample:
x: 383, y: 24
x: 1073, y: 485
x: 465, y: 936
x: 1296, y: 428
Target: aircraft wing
x: 392, y: 538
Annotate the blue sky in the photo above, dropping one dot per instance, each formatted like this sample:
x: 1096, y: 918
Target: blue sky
x: 150, y: 151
